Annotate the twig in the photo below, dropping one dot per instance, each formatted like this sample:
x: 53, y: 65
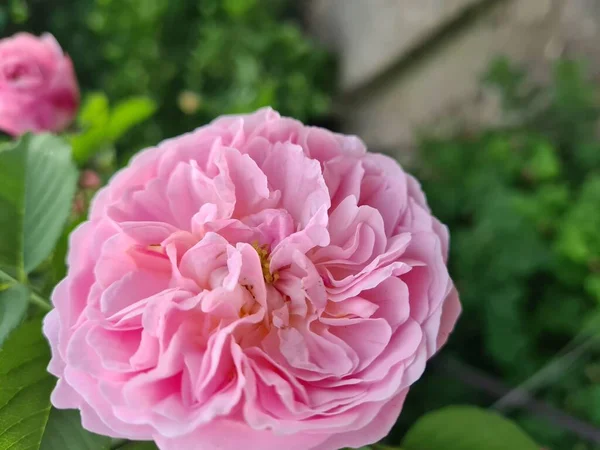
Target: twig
x: 553, y: 370
x: 483, y: 382
x: 34, y: 297
x: 39, y: 301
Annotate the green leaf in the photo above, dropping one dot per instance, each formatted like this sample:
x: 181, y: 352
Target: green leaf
x: 128, y: 114
x: 13, y: 307
x: 64, y: 432
x: 87, y: 144
x: 93, y: 119
x: 37, y: 184
x: 95, y: 111
x: 101, y: 127
x: 466, y: 428
x: 25, y: 388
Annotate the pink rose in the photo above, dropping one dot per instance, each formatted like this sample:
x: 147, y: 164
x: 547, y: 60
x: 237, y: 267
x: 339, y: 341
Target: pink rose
x: 254, y: 284
x: 38, y: 87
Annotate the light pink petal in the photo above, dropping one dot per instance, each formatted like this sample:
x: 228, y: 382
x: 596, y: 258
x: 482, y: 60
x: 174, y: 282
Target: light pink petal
x: 376, y: 430
x: 234, y: 435
x: 130, y: 289
x: 299, y: 179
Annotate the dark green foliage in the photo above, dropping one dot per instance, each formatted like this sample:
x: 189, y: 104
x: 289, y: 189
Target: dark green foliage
x: 195, y: 59
x: 523, y: 205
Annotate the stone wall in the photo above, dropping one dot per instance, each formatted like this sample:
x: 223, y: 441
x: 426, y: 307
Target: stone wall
x: 407, y: 64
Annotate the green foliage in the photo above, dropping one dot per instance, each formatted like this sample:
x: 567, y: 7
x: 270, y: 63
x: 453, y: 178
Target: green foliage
x: 64, y: 432
x: 466, y: 428
x: 37, y: 183
x: 100, y: 128
x: 13, y: 307
x: 26, y: 419
x: 24, y: 388
x: 128, y: 114
x: 522, y: 201
x: 195, y: 59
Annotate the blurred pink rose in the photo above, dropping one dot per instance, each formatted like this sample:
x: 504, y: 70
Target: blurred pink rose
x: 38, y: 87
x: 254, y: 284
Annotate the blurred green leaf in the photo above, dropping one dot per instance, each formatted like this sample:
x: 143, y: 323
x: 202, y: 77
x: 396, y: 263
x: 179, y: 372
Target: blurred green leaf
x: 19, y: 11
x: 25, y: 388
x: 101, y: 128
x: 93, y: 121
x: 128, y: 114
x: 37, y: 184
x: 64, y: 432
x: 13, y: 307
x: 466, y: 428
x: 94, y: 111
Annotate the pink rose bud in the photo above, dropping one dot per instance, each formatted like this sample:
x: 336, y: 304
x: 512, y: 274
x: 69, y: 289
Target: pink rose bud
x: 78, y: 206
x: 38, y: 87
x: 89, y: 180
x: 254, y: 284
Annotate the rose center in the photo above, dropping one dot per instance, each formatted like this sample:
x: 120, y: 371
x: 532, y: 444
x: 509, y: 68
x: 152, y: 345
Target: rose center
x: 265, y: 262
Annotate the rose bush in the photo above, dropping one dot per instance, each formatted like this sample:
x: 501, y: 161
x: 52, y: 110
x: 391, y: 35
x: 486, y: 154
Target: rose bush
x: 38, y: 86
x: 254, y: 283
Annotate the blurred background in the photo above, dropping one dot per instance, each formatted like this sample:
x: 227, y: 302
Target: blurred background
x: 492, y: 104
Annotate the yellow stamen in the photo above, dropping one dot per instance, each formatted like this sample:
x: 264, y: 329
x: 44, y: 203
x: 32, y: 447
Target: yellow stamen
x: 265, y: 262
x: 157, y: 248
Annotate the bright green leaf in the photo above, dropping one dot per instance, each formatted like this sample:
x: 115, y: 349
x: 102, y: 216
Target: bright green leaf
x: 25, y: 388
x: 128, y: 114
x: 64, y: 432
x: 37, y: 184
x: 93, y: 120
x: 95, y: 111
x: 13, y: 306
x: 466, y: 428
